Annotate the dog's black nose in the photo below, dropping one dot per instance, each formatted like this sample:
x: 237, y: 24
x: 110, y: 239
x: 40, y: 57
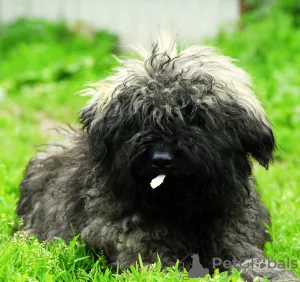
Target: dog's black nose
x: 161, y: 160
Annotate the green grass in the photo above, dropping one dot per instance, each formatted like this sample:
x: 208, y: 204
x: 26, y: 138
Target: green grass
x: 39, y: 73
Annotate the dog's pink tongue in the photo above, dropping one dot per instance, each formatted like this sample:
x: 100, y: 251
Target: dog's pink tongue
x: 157, y: 181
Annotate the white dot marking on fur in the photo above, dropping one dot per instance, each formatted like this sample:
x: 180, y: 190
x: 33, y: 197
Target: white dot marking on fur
x: 157, y: 181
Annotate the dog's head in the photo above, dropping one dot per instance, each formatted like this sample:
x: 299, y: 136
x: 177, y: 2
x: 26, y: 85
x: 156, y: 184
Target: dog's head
x: 190, y: 116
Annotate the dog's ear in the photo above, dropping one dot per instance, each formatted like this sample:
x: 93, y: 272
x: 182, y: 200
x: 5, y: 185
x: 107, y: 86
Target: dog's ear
x: 255, y: 135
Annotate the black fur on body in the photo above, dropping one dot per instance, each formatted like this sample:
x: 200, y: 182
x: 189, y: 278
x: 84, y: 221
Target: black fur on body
x: 190, y: 105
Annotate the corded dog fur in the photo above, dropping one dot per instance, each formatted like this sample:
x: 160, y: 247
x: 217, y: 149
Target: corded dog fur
x: 191, y: 116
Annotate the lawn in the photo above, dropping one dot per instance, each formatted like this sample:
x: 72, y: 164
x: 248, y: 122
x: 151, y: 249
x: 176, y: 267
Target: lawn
x: 43, y: 65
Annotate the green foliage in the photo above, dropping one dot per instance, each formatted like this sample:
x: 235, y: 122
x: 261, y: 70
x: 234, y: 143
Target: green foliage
x: 261, y: 9
x: 60, y: 52
x: 39, y: 58
x: 24, y: 31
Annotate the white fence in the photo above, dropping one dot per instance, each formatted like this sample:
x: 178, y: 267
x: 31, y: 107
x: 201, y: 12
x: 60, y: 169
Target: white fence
x: 133, y: 20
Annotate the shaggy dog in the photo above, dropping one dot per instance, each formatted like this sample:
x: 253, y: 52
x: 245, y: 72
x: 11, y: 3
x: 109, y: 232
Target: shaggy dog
x: 191, y: 119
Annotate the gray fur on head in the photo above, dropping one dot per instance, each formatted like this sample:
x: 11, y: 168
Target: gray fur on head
x: 168, y: 64
x: 191, y: 116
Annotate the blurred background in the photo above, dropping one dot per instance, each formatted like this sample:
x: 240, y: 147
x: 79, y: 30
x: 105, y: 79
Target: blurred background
x: 135, y: 20
x: 50, y: 48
